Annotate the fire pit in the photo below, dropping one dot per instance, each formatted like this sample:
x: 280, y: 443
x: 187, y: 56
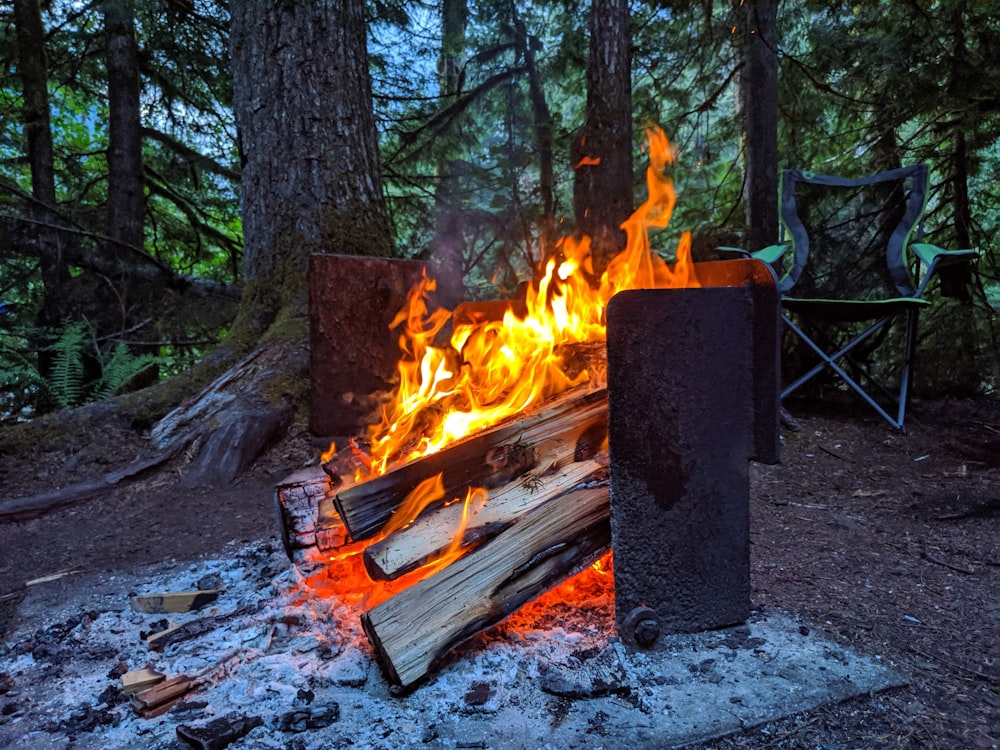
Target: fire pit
x: 502, y: 611
x: 512, y: 416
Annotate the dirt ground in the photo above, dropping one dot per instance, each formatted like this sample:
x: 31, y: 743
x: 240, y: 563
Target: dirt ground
x: 886, y: 542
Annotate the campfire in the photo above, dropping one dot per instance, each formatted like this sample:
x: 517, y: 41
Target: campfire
x: 486, y: 480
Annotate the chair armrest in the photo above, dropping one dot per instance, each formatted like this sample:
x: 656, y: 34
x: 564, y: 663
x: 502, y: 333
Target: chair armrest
x: 768, y: 254
x: 735, y: 250
x: 933, y: 256
x: 937, y: 259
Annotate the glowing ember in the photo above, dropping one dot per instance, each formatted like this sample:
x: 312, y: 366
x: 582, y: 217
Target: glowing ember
x: 497, y: 369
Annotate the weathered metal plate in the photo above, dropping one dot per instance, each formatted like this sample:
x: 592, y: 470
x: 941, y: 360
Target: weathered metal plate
x: 353, y: 354
x: 687, y: 411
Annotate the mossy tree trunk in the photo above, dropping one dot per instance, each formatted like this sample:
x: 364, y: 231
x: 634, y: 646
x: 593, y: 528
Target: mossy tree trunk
x: 311, y: 178
x: 311, y: 182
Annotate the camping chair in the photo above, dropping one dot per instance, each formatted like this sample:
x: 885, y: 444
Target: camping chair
x: 849, y: 276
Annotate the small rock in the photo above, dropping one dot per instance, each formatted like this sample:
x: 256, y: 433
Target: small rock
x: 478, y: 694
x: 210, y: 582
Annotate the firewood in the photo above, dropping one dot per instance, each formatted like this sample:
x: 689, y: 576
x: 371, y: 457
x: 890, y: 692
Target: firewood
x: 416, y: 628
x: 432, y: 533
x: 140, y: 679
x: 157, y: 700
x: 173, y: 601
x: 488, y: 459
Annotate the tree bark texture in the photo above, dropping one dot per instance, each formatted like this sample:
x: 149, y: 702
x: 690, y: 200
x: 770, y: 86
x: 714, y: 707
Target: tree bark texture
x: 126, y: 196
x: 602, y: 155
x: 759, y: 103
x: 38, y: 135
x: 543, y: 133
x: 34, y: 80
x: 311, y: 175
x: 446, y: 246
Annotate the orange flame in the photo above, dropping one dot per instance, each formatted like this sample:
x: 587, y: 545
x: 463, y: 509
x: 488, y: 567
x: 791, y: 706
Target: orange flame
x: 428, y: 491
x: 497, y: 369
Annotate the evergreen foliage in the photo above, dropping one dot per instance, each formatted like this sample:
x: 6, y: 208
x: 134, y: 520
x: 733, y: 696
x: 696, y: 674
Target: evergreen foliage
x: 864, y: 86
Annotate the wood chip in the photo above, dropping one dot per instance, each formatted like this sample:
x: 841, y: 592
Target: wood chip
x: 140, y: 679
x: 174, y: 601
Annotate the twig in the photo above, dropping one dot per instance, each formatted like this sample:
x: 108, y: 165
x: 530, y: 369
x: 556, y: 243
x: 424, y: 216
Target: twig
x: 931, y: 558
x: 972, y: 672
x: 834, y: 453
x: 790, y: 732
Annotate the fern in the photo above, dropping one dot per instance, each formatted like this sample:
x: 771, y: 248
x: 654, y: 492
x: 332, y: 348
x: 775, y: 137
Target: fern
x: 119, y: 369
x: 66, y: 380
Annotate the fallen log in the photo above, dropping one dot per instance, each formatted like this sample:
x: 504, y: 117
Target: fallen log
x: 432, y: 533
x: 414, y: 629
x: 575, y: 423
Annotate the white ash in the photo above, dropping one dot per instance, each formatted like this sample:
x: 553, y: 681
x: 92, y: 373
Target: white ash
x: 550, y: 676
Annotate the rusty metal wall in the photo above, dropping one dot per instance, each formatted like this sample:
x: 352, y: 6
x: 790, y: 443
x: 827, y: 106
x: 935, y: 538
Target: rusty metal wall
x: 690, y: 403
x: 353, y: 354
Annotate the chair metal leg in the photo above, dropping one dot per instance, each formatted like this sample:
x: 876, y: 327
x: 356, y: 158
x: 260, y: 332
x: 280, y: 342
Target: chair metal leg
x: 909, y: 359
x: 829, y: 361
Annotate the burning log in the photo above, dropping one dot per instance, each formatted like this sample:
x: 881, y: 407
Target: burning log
x: 418, y: 626
x: 571, y: 427
x: 432, y: 534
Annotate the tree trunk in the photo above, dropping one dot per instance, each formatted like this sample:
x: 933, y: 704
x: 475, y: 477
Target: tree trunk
x: 602, y: 155
x: 759, y: 104
x: 310, y: 182
x: 446, y: 245
x: 311, y: 175
x: 38, y: 135
x: 126, y: 198
x: 543, y: 134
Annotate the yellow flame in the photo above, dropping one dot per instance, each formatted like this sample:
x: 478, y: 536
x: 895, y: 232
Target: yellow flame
x: 496, y: 369
x: 428, y: 491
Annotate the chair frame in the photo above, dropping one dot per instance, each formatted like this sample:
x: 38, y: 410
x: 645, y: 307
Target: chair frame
x: 882, y: 313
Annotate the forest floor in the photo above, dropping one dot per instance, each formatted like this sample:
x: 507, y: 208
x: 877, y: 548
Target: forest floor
x: 885, y: 542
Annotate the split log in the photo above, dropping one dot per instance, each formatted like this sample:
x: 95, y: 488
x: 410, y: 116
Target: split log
x: 572, y: 424
x: 415, y: 629
x: 298, y: 498
x: 432, y: 533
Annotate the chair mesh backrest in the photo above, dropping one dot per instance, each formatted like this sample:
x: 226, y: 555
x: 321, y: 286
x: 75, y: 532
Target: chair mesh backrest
x: 849, y: 236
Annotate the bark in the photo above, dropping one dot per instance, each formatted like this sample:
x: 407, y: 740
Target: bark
x: 126, y: 197
x: 417, y: 627
x: 543, y: 134
x: 311, y: 175
x: 38, y: 135
x: 759, y: 104
x: 447, y: 265
x: 602, y: 154
x: 34, y: 79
